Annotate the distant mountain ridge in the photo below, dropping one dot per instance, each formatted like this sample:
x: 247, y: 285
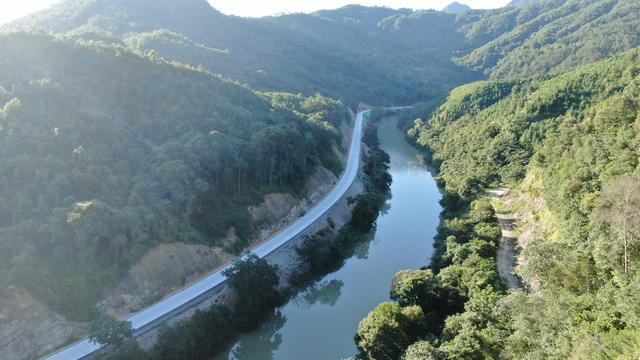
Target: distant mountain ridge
x: 456, y: 8
x: 286, y: 53
x: 405, y: 54
x: 516, y: 3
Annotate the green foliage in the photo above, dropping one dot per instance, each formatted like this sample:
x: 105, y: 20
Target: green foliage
x: 457, y: 296
x: 619, y: 208
x: 577, y: 133
x: 552, y: 36
x: 423, y: 350
x: 205, y: 334
x: 422, y: 288
x: 487, y: 133
x: 365, y: 211
x: 109, y: 331
x: 255, y: 283
x: 106, y: 154
x: 388, y: 330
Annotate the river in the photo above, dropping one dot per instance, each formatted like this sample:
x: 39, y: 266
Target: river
x: 320, y: 322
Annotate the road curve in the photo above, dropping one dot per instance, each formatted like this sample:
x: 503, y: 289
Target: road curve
x: 182, y: 297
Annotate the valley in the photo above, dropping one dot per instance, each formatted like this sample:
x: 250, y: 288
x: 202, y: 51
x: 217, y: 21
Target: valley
x: 181, y: 183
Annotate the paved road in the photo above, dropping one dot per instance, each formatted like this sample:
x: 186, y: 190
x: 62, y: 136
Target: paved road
x: 181, y: 298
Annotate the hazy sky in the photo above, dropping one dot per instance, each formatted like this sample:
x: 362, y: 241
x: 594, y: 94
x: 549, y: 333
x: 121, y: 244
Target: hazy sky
x: 13, y: 9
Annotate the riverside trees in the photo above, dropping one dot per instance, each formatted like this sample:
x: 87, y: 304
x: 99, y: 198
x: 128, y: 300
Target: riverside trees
x: 255, y: 283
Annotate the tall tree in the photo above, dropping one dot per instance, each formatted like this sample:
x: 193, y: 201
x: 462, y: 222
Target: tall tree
x: 619, y: 207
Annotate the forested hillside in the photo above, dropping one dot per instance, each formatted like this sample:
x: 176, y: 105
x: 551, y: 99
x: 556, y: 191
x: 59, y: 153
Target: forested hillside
x: 297, y: 53
x: 405, y: 56
x: 515, y: 3
x: 552, y: 35
x: 106, y: 153
x: 575, y: 137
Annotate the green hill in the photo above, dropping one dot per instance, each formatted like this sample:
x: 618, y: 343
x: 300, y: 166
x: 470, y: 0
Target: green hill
x: 456, y: 8
x: 323, y: 52
x: 552, y: 36
x: 404, y: 56
x: 575, y: 138
x: 106, y: 153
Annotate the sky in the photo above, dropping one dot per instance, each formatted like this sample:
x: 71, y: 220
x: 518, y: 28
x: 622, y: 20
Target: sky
x: 13, y: 9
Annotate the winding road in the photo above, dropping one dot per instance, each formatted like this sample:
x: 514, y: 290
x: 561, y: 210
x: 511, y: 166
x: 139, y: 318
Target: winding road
x: 182, y: 298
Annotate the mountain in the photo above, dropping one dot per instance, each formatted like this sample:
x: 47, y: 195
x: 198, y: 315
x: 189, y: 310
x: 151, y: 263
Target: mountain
x: 568, y: 147
x: 138, y: 123
x: 552, y: 36
x: 405, y: 56
x: 288, y: 53
x: 455, y: 8
x: 516, y: 3
x: 106, y: 153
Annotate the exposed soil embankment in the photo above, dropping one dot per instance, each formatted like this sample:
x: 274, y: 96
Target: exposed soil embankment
x: 28, y: 328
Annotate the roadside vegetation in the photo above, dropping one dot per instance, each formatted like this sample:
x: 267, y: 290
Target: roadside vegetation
x: 326, y: 250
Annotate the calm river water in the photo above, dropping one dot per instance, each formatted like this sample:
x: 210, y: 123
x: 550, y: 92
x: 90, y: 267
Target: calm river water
x: 321, y: 321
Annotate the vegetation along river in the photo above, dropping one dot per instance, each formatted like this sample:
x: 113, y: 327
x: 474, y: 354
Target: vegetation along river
x: 320, y: 322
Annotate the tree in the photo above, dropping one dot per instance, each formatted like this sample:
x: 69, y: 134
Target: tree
x: 255, y: 282
x: 200, y: 337
x: 109, y: 331
x: 423, y: 350
x: 412, y: 287
x: 619, y: 207
x: 365, y: 211
x: 388, y: 330
x: 422, y: 288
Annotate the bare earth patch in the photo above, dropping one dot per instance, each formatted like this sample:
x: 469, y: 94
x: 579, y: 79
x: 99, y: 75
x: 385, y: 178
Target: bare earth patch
x: 507, y: 256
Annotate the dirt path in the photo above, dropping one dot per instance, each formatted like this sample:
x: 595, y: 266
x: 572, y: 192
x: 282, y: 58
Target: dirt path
x: 506, y: 257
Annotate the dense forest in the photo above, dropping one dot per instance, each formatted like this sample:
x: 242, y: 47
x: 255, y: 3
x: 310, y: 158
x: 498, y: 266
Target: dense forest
x: 106, y: 153
x: 404, y: 56
x: 296, y: 53
x: 575, y: 138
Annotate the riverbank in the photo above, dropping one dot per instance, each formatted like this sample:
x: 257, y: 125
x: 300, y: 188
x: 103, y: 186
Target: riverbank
x: 206, y: 290
x: 462, y: 273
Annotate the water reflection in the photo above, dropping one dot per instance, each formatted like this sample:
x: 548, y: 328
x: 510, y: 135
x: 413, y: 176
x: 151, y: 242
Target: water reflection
x: 322, y: 292
x: 263, y: 344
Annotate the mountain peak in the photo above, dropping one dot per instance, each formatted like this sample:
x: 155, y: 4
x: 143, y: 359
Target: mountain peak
x: 455, y: 8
